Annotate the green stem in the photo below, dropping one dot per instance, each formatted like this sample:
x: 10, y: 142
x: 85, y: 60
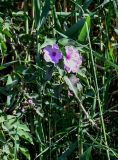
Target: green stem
x: 80, y: 135
x: 26, y: 14
x: 97, y: 93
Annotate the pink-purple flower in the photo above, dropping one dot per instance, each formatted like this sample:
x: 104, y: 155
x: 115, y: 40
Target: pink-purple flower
x: 72, y: 60
x: 52, y: 53
x: 30, y: 101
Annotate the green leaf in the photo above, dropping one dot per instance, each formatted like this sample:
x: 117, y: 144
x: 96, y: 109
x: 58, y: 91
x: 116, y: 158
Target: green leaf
x: 68, y: 151
x: 75, y: 28
x: 37, y: 11
x: 82, y: 76
x: 6, y: 149
x: 83, y: 32
x: 1, y: 20
x: 2, y: 138
x: 23, y: 127
x: 48, y: 41
x: 3, y: 46
x: 45, y: 11
x: 67, y: 42
x: 25, y: 152
x: 25, y: 135
x: 6, y: 26
x: 9, y: 124
x: 63, y: 41
x: 6, y: 32
x: 40, y: 17
x: 5, y: 118
x: 2, y: 119
x: 87, y: 154
x: 9, y: 80
x: 2, y: 67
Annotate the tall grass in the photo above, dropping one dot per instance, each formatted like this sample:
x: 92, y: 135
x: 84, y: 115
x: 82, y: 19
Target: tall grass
x: 38, y: 118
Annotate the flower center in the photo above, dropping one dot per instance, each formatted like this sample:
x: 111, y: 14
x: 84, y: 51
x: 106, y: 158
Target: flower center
x: 54, y: 54
x: 68, y: 56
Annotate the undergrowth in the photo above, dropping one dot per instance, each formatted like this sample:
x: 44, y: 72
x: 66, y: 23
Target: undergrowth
x: 50, y: 110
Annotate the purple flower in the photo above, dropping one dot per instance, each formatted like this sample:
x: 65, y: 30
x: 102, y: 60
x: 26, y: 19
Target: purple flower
x: 73, y: 59
x: 30, y: 102
x: 52, y: 53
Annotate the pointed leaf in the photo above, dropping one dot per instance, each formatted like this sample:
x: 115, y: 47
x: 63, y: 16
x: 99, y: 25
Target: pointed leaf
x: 45, y: 12
x: 25, y: 152
x: 83, y: 33
x: 75, y: 28
x: 87, y: 154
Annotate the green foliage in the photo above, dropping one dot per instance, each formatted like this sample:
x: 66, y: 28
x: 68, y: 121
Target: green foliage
x: 41, y: 12
x: 87, y: 154
x: 4, y: 32
x: 85, y: 28
x: 43, y: 113
x: 17, y: 131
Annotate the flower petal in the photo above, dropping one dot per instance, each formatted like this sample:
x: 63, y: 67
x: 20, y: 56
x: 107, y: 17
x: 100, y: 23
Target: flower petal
x: 52, y: 53
x: 73, y: 59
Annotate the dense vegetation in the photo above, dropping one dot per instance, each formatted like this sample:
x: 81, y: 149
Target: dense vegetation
x: 58, y: 80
